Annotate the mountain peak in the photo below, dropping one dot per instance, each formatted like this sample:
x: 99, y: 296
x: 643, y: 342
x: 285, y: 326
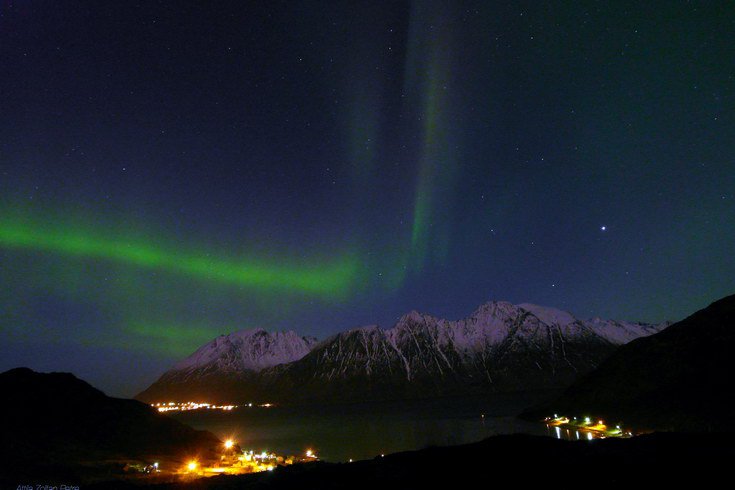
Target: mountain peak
x: 550, y: 316
x: 494, y: 313
x: 250, y: 349
x: 495, y: 306
x: 411, y: 316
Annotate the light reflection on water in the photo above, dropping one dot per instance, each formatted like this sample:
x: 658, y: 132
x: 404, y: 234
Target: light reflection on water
x: 364, y: 431
x: 567, y: 435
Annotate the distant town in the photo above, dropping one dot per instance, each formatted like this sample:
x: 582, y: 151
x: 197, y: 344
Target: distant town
x: 186, y: 406
x: 232, y: 461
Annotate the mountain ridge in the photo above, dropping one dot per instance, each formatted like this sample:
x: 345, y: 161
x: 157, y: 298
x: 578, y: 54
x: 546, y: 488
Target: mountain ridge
x: 497, y: 347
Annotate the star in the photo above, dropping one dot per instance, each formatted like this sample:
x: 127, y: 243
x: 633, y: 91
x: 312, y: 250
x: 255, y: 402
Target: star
x: 603, y: 228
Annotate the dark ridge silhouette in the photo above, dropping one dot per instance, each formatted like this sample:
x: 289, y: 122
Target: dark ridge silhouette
x: 679, y: 379
x: 54, y: 422
x: 506, y: 461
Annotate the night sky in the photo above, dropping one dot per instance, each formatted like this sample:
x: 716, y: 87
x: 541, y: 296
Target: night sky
x: 172, y: 171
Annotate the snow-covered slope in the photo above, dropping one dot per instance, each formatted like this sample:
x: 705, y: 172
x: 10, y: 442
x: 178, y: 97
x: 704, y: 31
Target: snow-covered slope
x: 248, y: 350
x: 500, y: 346
x: 226, y: 365
x: 550, y: 316
x: 623, y: 332
x: 616, y: 332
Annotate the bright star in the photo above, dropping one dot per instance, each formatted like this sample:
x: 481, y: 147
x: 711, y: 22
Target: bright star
x: 603, y: 228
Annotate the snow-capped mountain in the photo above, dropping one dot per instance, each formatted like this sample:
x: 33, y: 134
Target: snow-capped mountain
x: 617, y: 332
x: 499, y: 347
x: 227, y: 363
x: 247, y: 350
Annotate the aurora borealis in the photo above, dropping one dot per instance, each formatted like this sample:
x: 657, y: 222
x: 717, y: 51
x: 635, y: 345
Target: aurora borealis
x: 327, y: 279
x: 173, y: 171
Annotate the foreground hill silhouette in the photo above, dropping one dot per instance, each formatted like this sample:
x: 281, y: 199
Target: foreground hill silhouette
x: 506, y: 462
x: 679, y: 379
x: 53, y: 422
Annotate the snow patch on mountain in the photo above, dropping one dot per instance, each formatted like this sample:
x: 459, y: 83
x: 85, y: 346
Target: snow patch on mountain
x: 621, y: 332
x: 550, y: 316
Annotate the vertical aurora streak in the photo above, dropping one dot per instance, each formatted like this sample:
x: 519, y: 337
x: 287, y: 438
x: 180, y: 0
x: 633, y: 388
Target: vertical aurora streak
x: 437, y: 162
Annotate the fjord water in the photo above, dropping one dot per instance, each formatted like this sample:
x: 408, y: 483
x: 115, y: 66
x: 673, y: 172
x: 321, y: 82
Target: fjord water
x: 366, y: 430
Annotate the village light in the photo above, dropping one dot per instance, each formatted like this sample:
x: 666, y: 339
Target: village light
x: 229, y: 443
x: 192, y: 465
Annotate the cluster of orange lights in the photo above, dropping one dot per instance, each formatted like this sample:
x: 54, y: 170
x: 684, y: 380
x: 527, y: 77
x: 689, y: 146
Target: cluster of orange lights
x: 588, y: 425
x: 184, y: 406
x: 246, y: 462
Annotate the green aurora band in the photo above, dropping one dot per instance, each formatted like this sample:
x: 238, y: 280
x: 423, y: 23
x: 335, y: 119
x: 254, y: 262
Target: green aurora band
x: 333, y: 279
